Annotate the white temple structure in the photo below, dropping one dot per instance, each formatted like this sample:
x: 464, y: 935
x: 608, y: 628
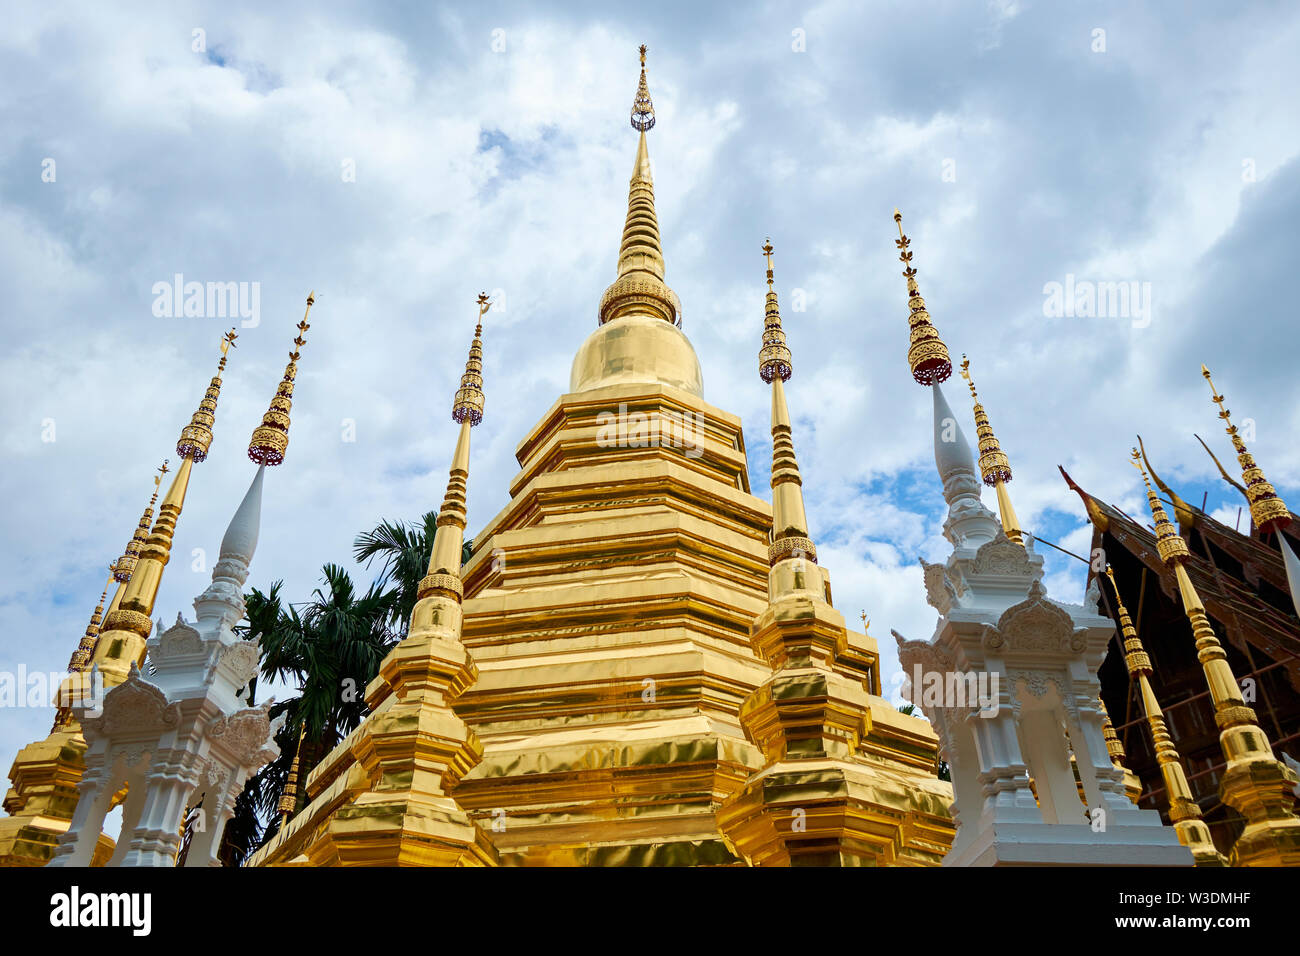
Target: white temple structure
x: 179, y: 737
x: 1009, y: 680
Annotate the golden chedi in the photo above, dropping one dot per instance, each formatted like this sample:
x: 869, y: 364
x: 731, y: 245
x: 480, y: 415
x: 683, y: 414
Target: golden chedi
x: 607, y: 611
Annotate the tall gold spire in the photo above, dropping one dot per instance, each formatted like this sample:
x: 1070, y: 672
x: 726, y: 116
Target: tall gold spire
x: 81, y: 656
x: 124, y: 565
x: 640, y: 287
x: 467, y: 410
x: 790, y: 538
x: 127, y: 627
x: 1255, y: 783
x: 196, y: 437
x: 1184, y: 813
x: 271, y: 438
x: 926, y: 353
x: 995, y: 467
x: 1267, y: 510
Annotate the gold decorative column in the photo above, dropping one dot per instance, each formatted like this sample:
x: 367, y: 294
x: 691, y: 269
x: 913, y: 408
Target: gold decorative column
x: 819, y: 800
x: 1115, y: 748
x: 995, y: 468
x: 1184, y: 813
x: 45, y: 772
x: 125, y: 630
x: 1255, y: 783
x: 398, y: 808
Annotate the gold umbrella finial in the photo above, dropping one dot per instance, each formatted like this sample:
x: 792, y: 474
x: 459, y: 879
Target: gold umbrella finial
x: 124, y: 566
x: 926, y: 353
x: 270, y: 440
x: 774, y: 360
x: 995, y: 467
x: 643, y: 109
x: 467, y: 406
x: 1169, y: 543
x: 1267, y: 509
x: 196, y: 437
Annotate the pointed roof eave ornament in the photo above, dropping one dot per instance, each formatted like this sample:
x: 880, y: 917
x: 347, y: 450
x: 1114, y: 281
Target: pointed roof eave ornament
x: 640, y: 287
x: 1223, y: 472
x: 1095, y: 513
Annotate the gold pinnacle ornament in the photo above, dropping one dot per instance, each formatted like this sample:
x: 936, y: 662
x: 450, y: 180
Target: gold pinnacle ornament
x: 1267, y: 510
x: 1115, y: 749
x: 124, y: 565
x: 467, y: 406
x: 196, y: 437
x: 640, y: 288
x: 643, y: 110
x: 270, y: 439
x: 926, y: 353
x: 1184, y: 813
x: 127, y: 627
x: 1255, y: 783
x: 81, y: 656
x: 790, y: 538
x: 774, y: 355
x: 995, y: 467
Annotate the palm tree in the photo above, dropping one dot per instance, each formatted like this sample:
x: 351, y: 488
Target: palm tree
x: 331, y: 648
x: 403, y: 552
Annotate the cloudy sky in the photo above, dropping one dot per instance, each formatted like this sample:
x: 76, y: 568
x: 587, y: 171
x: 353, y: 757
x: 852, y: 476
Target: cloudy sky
x: 399, y: 159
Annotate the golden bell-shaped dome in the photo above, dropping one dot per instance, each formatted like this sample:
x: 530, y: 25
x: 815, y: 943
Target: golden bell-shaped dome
x: 637, y: 349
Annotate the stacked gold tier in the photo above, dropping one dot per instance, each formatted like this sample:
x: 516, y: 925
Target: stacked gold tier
x: 608, y: 609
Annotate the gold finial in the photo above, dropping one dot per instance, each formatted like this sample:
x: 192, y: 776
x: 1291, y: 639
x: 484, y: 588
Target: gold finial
x: 866, y: 621
x: 1267, y: 510
x: 1169, y: 543
x: 270, y: 439
x: 123, y: 567
x: 994, y: 464
x: 639, y: 288
x: 196, y: 437
x: 643, y: 110
x: 468, y: 403
x: 926, y: 353
x: 995, y: 467
x: 774, y: 355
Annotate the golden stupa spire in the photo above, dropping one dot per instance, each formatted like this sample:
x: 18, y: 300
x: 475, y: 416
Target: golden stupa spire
x: 271, y: 438
x: 467, y: 411
x: 1255, y: 783
x: 81, y: 656
x: 640, y: 288
x: 129, y: 624
x: 995, y: 467
x: 1267, y: 510
x: 1115, y: 750
x: 1184, y: 813
x: 124, y: 565
x: 926, y: 353
x: 790, y: 538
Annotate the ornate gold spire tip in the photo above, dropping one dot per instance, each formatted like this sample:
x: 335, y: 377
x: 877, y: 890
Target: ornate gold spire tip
x: 926, y: 353
x: 468, y: 404
x: 1267, y: 509
x: 774, y: 355
x: 643, y: 110
x: 994, y: 464
x: 123, y: 567
x: 196, y: 437
x: 270, y: 439
x: 1169, y: 543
